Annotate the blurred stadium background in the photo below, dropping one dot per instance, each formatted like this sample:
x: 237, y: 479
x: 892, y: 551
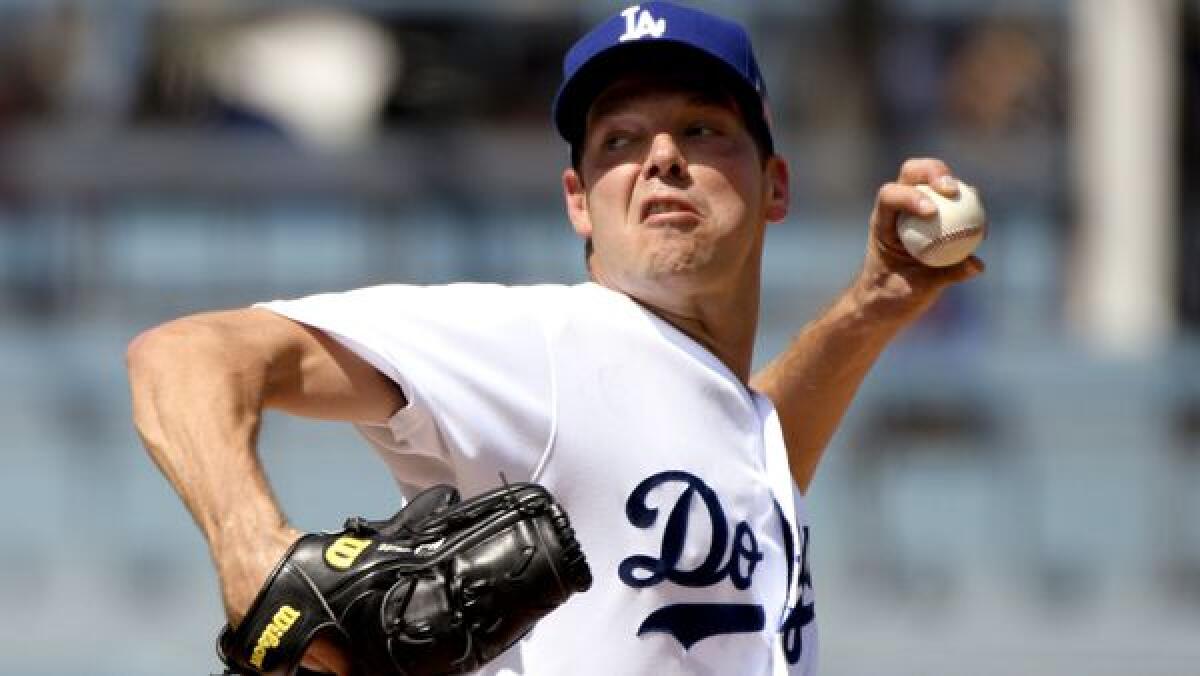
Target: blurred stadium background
x: 1016, y: 491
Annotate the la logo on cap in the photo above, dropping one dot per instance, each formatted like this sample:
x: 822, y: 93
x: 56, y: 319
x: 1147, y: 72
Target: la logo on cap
x: 639, y: 23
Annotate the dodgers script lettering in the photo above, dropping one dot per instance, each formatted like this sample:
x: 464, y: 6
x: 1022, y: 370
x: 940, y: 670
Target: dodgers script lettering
x: 728, y: 558
x: 690, y: 623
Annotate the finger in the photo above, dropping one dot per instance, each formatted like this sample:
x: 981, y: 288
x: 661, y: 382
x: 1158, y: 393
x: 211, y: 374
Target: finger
x: 929, y: 171
x: 893, y: 200
x: 898, y: 198
x: 970, y: 268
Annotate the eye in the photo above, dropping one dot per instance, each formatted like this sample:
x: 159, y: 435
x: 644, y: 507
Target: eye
x: 618, y: 140
x: 701, y: 130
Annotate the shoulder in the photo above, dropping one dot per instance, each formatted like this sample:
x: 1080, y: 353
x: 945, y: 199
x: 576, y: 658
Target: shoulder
x: 473, y: 306
x: 566, y: 301
x: 440, y: 297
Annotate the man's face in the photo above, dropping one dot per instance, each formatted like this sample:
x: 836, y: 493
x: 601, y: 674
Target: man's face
x: 672, y: 190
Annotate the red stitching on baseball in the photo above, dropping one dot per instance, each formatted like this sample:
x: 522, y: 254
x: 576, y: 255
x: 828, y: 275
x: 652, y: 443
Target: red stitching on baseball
x: 937, y: 243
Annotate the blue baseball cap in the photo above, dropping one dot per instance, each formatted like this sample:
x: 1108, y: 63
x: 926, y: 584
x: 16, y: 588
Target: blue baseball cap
x: 641, y: 34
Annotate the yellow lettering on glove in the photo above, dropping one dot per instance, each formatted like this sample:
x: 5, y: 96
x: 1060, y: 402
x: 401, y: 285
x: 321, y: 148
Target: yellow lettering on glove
x: 344, y: 550
x: 283, y: 620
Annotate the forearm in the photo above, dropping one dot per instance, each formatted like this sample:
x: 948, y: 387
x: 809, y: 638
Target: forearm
x: 813, y: 381
x: 197, y: 403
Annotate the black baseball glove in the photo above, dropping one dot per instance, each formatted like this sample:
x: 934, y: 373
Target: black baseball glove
x: 442, y: 587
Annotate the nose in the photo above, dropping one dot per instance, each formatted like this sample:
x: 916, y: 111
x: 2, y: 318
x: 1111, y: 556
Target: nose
x: 665, y: 159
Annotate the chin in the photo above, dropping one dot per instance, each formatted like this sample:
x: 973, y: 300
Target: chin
x: 672, y: 272
x: 678, y: 261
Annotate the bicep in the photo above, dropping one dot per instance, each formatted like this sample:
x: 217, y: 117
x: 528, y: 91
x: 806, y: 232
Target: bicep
x: 312, y: 375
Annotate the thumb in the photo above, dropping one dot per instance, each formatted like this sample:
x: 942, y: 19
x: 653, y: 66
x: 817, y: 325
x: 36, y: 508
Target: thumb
x: 327, y: 656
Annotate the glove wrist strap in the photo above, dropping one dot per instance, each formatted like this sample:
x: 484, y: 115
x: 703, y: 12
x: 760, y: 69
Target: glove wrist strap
x: 286, y: 615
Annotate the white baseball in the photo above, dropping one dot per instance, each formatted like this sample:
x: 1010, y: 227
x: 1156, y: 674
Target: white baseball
x: 949, y: 236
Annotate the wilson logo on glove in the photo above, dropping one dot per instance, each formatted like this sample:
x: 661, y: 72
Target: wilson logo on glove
x: 283, y: 620
x: 344, y: 550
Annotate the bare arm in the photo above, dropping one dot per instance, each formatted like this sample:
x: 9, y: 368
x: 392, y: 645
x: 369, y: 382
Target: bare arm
x: 199, y: 386
x: 813, y: 381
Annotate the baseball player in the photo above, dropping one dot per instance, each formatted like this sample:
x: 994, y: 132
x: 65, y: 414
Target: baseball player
x: 629, y: 397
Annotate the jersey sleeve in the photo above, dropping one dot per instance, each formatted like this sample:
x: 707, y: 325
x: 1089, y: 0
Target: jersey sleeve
x: 471, y: 359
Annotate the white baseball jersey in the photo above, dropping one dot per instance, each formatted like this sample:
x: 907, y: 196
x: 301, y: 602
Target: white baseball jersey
x: 673, y: 473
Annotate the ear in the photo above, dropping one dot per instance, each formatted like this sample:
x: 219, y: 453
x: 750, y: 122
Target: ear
x: 778, y: 194
x: 576, y: 200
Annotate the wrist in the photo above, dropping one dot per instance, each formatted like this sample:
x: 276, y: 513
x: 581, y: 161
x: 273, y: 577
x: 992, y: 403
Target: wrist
x: 244, y: 562
x: 889, y: 299
x: 247, y: 525
x: 870, y: 303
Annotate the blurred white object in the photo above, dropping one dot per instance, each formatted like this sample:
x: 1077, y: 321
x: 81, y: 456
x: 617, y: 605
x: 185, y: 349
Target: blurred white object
x: 323, y: 75
x: 1125, y: 123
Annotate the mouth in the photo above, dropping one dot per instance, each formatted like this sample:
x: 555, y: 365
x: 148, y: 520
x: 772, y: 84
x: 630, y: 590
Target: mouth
x: 667, y: 209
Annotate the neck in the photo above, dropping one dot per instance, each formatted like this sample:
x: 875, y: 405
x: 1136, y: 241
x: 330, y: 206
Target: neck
x: 724, y: 322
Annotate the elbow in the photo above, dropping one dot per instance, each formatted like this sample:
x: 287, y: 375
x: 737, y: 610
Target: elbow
x: 171, y: 348
x: 143, y: 350
x: 197, y: 349
x: 156, y: 346
x: 139, y: 350
x: 152, y: 359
